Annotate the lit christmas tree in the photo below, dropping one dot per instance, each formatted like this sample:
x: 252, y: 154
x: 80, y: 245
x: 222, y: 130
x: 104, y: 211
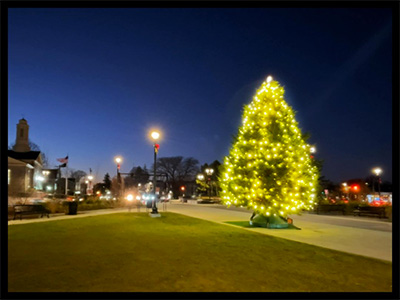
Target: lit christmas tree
x: 270, y: 166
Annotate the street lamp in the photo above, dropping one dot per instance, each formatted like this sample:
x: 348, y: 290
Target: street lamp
x: 183, y: 190
x: 200, y: 177
x: 118, y: 161
x: 209, y: 172
x: 90, y: 177
x: 378, y: 171
x: 346, y: 188
x: 155, y: 135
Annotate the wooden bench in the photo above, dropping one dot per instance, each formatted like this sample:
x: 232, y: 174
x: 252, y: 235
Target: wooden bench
x: 370, y: 210
x: 324, y: 208
x: 29, y: 209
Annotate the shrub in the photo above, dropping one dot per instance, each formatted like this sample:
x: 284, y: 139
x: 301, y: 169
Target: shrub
x: 54, y: 206
x: 91, y: 204
x: 388, y: 212
x: 350, y: 207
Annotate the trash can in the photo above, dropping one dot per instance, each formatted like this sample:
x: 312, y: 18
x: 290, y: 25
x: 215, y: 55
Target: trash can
x: 72, y: 207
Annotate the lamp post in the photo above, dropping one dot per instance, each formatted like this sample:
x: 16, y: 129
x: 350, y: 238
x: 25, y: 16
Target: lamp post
x: 90, y: 177
x: 87, y: 186
x: 209, y: 172
x: 346, y: 188
x: 200, y: 177
x: 118, y: 161
x: 378, y: 171
x: 155, y: 135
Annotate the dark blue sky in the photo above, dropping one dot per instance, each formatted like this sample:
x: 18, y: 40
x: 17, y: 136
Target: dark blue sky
x: 92, y: 82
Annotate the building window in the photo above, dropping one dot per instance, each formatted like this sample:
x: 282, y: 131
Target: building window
x: 21, y: 133
x: 9, y: 176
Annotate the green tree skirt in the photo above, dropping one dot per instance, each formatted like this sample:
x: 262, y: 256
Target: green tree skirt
x: 272, y: 222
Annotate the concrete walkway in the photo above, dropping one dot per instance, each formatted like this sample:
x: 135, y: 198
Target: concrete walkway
x: 62, y: 216
x: 372, y: 238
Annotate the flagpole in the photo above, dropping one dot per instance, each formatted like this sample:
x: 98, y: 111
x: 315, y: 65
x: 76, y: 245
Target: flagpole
x: 66, y: 181
x: 59, y: 181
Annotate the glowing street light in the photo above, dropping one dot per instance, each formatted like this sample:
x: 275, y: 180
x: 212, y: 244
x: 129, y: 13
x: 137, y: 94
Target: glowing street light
x: 209, y: 172
x: 155, y: 135
x: 346, y: 188
x: 118, y: 160
x: 200, y: 176
x: 377, y: 171
x: 90, y: 178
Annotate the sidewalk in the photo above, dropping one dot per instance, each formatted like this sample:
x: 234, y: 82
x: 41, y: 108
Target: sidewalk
x: 63, y: 216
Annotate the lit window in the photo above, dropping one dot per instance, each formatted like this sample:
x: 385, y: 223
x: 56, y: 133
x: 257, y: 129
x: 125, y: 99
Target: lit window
x: 9, y: 176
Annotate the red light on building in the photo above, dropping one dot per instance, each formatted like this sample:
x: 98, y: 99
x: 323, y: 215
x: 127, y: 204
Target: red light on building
x: 355, y: 188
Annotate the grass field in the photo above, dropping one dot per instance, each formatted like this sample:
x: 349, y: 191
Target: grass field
x: 131, y: 252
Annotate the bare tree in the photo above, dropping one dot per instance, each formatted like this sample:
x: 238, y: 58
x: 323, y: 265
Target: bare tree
x: 78, y: 174
x: 188, y: 168
x: 177, y: 170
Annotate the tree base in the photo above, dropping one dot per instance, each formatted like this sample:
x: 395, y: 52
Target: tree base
x: 272, y: 222
x: 154, y: 215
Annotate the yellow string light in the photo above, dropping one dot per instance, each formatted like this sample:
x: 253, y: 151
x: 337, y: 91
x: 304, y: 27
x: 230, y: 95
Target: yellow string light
x: 270, y: 163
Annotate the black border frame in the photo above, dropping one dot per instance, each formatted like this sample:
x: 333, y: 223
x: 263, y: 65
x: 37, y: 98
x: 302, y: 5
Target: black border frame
x: 394, y: 5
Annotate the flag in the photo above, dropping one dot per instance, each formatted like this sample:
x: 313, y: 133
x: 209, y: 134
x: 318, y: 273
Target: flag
x: 63, y: 160
x: 62, y: 166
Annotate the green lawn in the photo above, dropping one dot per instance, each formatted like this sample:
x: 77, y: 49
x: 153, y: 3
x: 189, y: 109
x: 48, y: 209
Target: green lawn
x: 131, y: 252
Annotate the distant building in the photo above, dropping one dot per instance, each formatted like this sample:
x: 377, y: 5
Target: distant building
x: 20, y: 175
x: 51, y: 177
x: 61, y: 186
x: 24, y: 165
